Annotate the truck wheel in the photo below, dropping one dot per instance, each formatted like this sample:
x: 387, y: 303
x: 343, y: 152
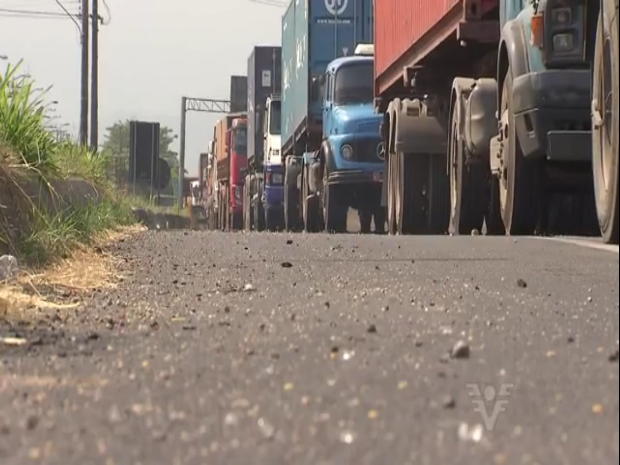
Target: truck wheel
x: 521, y: 183
x: 334, y: 214
x: 259, y: 216
x: 493, y: 217
x: 272, y: 220
x: 391, y: 196
x: 237, y: 221
x: 468, y: 183
x: 365, y: 217
x: 411, y: 203
x: 311, y: 210
x: 379, y: 217
x: 439, y: 195
x: 605, y: 122
x: 291, y: 214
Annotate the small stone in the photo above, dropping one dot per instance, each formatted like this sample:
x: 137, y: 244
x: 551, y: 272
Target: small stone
x: 448, y: 403
x: 461, y: 350
x: 31, y: 423
x: 266, y: 428
x: 475, y: 233
x: 521, y: 284
x: 614, y: 357
x: 571, y: 339
x: 372, y: 329
x: 289, y: 242
x: 286, y: 265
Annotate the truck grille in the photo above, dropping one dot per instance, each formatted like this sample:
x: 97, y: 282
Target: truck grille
x: 365, y: 150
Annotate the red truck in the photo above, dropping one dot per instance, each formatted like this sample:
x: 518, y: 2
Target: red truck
x: 487, y: 110
x: 225, y: 207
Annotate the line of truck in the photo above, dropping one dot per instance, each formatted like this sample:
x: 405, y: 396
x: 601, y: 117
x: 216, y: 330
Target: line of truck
x: 433, y: 117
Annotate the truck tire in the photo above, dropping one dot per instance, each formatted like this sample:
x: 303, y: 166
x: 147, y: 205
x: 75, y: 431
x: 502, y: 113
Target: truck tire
x: 391, y: 196
x: 411, y: 199
x: 291, y: 215
x: 237, y: 221
x: 310, y: 210
x: 522, y: 181
x: 272, y: 220
x: 468, y: 182
x: 493, y: 222
x: 365, y: 217
x: 334, y: 214
x: 605, y: 122
x: 259, y: 216
x: 439, y: 195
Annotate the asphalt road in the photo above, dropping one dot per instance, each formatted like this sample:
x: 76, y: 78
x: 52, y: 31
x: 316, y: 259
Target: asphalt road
x: 325, y: 350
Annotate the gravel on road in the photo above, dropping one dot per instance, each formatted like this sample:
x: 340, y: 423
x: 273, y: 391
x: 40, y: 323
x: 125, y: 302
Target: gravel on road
x: 269, y: 349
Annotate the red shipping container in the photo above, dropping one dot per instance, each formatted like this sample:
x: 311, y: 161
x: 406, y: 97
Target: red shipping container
x: 400, y: 24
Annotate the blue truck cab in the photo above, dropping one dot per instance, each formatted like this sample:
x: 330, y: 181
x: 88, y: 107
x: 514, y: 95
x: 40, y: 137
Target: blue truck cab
x: 319, y: 38
x: 347, y: 171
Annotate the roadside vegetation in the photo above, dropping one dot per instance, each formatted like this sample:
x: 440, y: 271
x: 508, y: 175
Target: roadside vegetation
x: 45, y: 214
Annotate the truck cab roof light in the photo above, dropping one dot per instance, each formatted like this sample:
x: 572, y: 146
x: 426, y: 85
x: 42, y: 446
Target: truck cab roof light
x: 365, y: 50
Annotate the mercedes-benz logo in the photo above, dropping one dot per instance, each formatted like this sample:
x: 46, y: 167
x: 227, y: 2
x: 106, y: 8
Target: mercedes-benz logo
x: 381, y: 151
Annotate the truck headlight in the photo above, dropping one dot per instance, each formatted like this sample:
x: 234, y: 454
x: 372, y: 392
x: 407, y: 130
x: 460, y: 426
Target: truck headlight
x: 563, y: 43
x: 562, y: 17
x: 347, y: 152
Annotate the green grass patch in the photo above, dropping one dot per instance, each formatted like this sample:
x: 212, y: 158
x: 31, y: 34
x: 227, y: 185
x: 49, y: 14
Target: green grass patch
x: 42, y: 227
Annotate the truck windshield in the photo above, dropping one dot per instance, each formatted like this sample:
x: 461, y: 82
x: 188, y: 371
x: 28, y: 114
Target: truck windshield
x: 354, y: 84
x: 275, y: 112
x: 241, y: 140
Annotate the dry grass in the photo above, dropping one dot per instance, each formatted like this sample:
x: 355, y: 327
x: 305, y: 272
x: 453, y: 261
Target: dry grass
x: 88, y: 268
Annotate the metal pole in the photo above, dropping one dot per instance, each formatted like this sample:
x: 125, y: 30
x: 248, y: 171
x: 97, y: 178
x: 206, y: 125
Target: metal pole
x: 182, y: 152
x: 94, y: 112
x: 84, y: 76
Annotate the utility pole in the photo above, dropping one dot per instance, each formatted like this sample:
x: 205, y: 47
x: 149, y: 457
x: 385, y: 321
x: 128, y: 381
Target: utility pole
x: 84, y: 75
x: 94, y: 99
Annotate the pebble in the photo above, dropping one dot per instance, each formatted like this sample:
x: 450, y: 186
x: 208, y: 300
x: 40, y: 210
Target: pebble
x: 372, y: 329
x: 461, y: 350
x: 522, y: 284
x: 449, y: 403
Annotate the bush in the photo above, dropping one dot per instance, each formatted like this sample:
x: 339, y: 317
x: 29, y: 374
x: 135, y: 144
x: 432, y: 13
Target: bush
x: 31, y: 155
x: 22, y: 121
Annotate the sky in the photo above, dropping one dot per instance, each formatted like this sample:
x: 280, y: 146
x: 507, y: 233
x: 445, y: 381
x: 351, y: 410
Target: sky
x: 152, y: 52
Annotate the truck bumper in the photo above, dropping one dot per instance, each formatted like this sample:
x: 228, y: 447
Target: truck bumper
x: 552, y: 115
x: 355, y: 177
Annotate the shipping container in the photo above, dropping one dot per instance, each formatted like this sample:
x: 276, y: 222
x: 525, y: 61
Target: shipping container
x: 406, y: 31
x: 264, y: 79
x: 238, y: 93
x: 315, y: 32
